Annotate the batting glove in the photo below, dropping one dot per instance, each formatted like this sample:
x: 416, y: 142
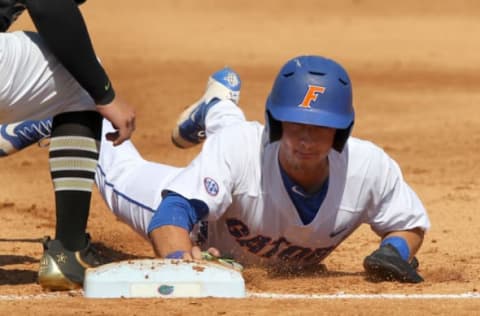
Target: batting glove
x: 386, y: 264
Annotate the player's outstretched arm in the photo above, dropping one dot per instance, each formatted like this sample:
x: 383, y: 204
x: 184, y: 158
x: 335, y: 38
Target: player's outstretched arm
x: 170, y: 227
x: 171, y: 241
x: 174, y: 242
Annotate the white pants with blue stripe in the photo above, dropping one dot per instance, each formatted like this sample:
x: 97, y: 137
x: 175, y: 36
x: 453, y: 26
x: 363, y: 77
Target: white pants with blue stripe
x: 132, y: 186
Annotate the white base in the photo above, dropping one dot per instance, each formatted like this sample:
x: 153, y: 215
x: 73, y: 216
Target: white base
x: 162, y: 278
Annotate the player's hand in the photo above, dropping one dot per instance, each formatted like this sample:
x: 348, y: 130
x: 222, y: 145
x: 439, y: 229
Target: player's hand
x: 122, y: 117
x: 212, y: 255
x: 386, y: 264
x: 197, y: 254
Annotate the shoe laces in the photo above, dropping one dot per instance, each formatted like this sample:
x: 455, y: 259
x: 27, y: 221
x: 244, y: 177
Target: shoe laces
x: 31, y: 132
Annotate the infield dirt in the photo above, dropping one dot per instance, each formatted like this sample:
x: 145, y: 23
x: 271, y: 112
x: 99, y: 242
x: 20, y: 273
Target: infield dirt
x: 415, y: 71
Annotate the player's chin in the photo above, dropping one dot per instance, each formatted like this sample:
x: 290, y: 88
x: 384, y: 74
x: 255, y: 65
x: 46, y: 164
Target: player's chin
x: 315, y: 156
x: 306, y: 166
x: 308, y: 159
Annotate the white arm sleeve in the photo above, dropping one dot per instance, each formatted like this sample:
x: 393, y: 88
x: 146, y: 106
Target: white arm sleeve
x: 219, y: 170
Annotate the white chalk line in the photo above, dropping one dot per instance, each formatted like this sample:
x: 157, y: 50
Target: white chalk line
x: 47, y: 295
x: 468, y: 295
x: 283, y: 296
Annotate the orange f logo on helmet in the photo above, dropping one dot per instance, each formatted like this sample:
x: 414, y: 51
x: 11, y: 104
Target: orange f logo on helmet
x: 311, y: 95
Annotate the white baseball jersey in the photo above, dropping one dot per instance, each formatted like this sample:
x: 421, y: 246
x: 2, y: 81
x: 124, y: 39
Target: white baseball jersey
x: 251, y: 215
x: 33, y: 84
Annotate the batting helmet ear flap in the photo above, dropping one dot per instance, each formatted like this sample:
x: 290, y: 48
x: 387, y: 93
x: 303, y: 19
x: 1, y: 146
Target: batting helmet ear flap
x: 274, y: 128
x: 341, y: 136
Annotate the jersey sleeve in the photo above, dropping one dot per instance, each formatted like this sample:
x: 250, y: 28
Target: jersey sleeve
x: 218, y: 171
x: 394, y: 205
x: 61, y: 25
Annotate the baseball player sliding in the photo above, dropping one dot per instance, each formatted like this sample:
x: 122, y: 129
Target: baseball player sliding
x: 284, y: 194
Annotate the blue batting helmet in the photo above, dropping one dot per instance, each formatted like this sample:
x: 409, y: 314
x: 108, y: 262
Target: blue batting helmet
x: 311, y: 90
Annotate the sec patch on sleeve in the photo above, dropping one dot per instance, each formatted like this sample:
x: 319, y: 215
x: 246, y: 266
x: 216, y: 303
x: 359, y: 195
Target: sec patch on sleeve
x: 211, y: 186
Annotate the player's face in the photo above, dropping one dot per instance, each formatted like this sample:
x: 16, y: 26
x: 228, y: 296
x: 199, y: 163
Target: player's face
x: 304, y: 148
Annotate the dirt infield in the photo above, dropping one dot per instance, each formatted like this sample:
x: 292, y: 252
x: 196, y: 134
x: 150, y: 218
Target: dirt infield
x: 415, y: 71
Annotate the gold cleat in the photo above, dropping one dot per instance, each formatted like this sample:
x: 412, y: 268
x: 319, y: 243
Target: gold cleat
x: 51, y: 277
x: 63, y: 270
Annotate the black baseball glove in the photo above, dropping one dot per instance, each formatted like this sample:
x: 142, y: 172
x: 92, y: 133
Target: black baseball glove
x: 386, y: 264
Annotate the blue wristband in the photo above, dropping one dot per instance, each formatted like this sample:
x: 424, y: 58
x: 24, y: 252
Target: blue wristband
x: 175, y: 255
x: 400, y: 244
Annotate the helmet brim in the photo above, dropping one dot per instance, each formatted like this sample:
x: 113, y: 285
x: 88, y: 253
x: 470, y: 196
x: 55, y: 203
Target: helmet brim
x: 311, y: 116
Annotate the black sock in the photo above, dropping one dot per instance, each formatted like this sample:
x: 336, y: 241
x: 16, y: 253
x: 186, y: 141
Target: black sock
x: 73, y: 156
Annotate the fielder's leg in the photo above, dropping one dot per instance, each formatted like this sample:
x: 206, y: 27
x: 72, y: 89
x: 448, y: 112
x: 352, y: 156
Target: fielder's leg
x: 73, y: 156
x: 34, y: 86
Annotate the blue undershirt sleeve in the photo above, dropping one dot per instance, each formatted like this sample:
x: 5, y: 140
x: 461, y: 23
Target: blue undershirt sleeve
x: 178, y: 211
